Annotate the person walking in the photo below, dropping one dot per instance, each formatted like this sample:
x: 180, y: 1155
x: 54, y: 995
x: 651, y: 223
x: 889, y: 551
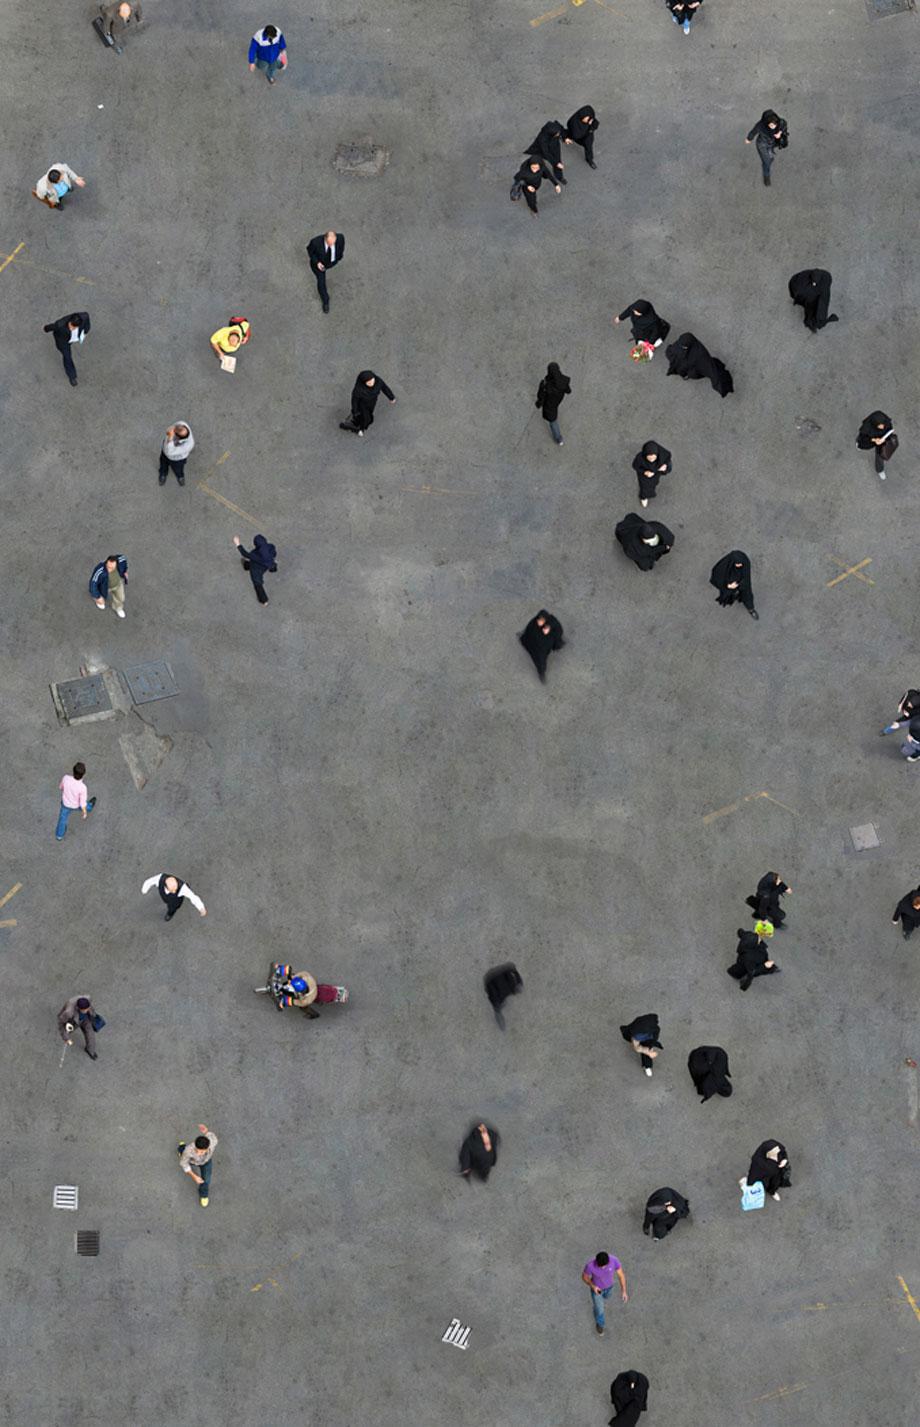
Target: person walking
x: 691, y: 361
x: 109, y: 579
x: 708, y: 1067
x: 769, y: 133
x: 731, y: 576
x: 500, y: 983
x: 554, y: 387
x: 599, y: 1273
x: 751, y: 956
x: 195, y: 1160
x: 908, y: 706
x: 173, y: 891
x: 178, y: 445
x: 548, y: 146
x: 644, y: 541
x: 769, y: 1166
x: 683, y: 11
x: 69, y: 332
x: 877, y: 433
x: 650, y: 464
x: 323, y: 252
x: 529, y: 180
x: 642, y: 1034
x: 629, y: 1395
x: 364, y: 395
x: 54, y: 186
x: 764, y: 903
x: 479, y: 1151
x: 811, y: 290
x: 907, y: 912
x: 581, y: 129
x: 227, y: 341
x: 116, y: 18
x: 665, y: 1208
x: 268, y: 51
x: 79, y: 1014
x: 541, y: 637
x: 259, y: 561
x: 644, y: 323
x: 73, y: 796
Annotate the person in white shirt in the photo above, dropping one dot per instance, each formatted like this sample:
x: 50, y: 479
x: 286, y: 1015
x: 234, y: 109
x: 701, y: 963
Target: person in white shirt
x: 173, y: 890
x: 197, y: 1157
x: 177, y: 447
x: 54, y: 186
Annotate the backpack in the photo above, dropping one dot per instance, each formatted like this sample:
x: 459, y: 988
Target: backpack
x: 753, y: 1196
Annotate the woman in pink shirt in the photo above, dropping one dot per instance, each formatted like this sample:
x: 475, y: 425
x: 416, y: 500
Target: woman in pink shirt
x: 73, y: 796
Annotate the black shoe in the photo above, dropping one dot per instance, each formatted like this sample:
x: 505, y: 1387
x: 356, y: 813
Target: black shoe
x: 325, y: 304
x: 590, y: 163
x: 181, y: 480
x: 766, y: 180
x: 599, y: 1329
x: 180, y: 1146
x: 73, y: 381
x: 92, y: 802
x: 753, y: 613
x: 91, y: 1053
x: 162, y: 478
x: 906, y: 936
x: 169, y: 916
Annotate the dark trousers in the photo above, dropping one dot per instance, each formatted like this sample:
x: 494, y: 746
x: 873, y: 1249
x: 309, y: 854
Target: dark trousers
x: 67, y: 359
x: 177, y: 467
x: 766, y: 150
x: 647, y: 1062
x: 531, y: 201
x: 173, y: 902
x: 321, y: 287
x: 257, y: 575
x: 587, y: 143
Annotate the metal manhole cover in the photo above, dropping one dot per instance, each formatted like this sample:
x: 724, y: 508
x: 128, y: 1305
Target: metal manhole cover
x: 864, y: 837
x: 877, y: 8
x: 362, y: 158
x: 148, y: 682
x: 458, y: 1334
x: 66, y: 1196
x: 79, y: 697
x: 86, y: 1242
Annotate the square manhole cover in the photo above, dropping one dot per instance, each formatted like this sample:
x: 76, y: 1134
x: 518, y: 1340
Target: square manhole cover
x: 80, y: 697
x: 86, y: 1242
x: 148, y: 682
x: 361, y: 158
x: 877, y: 8
x: 66, y: 1196
x: 864, y: 837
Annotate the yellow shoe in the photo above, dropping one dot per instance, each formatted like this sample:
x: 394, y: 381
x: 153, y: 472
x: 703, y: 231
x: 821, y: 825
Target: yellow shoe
x: 203, y: 1203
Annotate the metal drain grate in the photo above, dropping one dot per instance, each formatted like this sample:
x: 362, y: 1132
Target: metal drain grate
x: 878, y: 8
x: 457, y: 1334
x: 150, y: 681
x: 66, y: 1196
x: 86, y: 1242
x: 81, y: 697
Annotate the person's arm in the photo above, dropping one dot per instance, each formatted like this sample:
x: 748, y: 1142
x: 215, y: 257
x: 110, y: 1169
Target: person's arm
x: 151, y: 882
x: 586, y: 1278
x: 94, y: 580
x: 186, y: 891
x: 754, y: 132
x: 72, y: 178
x: 465, y: 1157
x: 622, y: 1277
x: 216, y: 349
x: 65, y: 1025
x: 341, y: 239
x: 282, y: 57
x: 43, y: 188
x: 386, y: 390
x: 186, y: 1165
x: 82, y: 797
x: 122, y: 567
x: 897, y: 914
x: 138, y: 12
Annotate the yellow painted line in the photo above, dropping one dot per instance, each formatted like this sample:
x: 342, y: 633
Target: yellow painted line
x: 781, y: 1392
x: 255, y: 1288
x: 550, y: 15
x: 910, y: 1298
x: 721, y: 812
x: 10, y: 256
x: 58, y: 272
x: 228, y: 503
x: 748, y: 798
x: 10, y: 894
x: 778, y: 803
x: 852, y: 570
x: 432, y: 490
x: 10, y: 923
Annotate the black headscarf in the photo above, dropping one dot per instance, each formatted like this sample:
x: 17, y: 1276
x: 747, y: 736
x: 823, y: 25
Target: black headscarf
x: 876, y: 424
x: 629, y: 1395
x: 725, y: 571
x: 764, y: 903
x: 708, y: 1067
x: 474, y: 1155
x: 534, y: 180
x: 576, y: 130
x: 553, y: 387
x: 263, y: 553
x: 770, y: 1174
x: 633, y: 531
x: 364, y: 399
x: 548, y: 145
x: 540, y: 645
x: 752, y: 956
x: 644, y: 1029
x: 501, y: 982
x: 657, y: 1219
x: 811, y: 290
x: 651, y: 458
x: 644, y: 322
x: 688, y: 358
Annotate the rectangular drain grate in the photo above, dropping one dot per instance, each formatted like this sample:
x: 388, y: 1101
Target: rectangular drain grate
x: 86, y: 1242
x: 66, y: 1196
x: 457, y: 1334
x: 151, y: 681
x: 80, y: 697
x: 878, y: 8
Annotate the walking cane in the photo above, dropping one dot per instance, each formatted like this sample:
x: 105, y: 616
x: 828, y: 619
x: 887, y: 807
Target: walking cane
x: 64, y: 1051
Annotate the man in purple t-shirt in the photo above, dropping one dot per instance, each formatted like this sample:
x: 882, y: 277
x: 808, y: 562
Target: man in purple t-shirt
x: 599, y: 1273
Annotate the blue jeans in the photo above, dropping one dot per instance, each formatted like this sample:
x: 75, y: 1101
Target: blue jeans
x: 597, y: 1303
x: 269, y: 67
x: 64, y: 814
x: 205, y: 1171
x: 557, y: 434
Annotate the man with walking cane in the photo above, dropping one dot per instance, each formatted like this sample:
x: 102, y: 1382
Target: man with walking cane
x: 79, y: 1013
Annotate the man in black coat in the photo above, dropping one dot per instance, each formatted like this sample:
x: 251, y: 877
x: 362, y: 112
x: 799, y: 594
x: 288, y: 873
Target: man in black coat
x: 324, y: 251
x: 364, y: 394
x: 500, y: 983
x: 67, y: 331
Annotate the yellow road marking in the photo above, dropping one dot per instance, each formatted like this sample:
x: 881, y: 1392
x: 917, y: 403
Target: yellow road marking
x: 58, y: 272
x: 228, y: 503
x: 10, y: 894
x: 850, y: 570
x: 550, y: 15
x: 10, y: 256
x: 781, y: 1392
x: 433, y: 490
x: 10, y: 923
x: 910, y: 1298
x: 749, y: 797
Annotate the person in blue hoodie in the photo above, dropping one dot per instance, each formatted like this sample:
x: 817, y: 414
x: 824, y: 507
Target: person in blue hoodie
x: 268, y: 51
x: 259, y: 561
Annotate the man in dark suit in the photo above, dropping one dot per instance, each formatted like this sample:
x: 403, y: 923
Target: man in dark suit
x: 324, y: 251
x: 69, y: 331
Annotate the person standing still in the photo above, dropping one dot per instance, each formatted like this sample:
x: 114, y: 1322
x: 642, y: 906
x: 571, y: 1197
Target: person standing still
x: 115, y: 20
x: 195, y: 1161
x: 73, y: 796
x: 323, y: 252
x: 268, y: 51
x: 599, y: 1273
x: 68, y: 332
x: 770, y: 133
x: 109, y: 578
x: 79, y: 1014
x: 178, y: 445
x: 54, y: 186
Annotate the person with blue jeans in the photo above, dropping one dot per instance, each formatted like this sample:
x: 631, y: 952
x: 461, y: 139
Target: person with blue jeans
x: 599, y: 1273
x: 195, y: 1160
x: 268, y: 51
x: 73, y: 796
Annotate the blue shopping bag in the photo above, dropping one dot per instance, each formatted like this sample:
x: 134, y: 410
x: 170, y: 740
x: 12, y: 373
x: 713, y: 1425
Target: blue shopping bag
x: 752, y: 1195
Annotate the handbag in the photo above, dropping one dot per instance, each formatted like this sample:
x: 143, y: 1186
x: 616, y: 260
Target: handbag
x: 98, y: 1022
x: 517, y: 188
x: 752, y: 1195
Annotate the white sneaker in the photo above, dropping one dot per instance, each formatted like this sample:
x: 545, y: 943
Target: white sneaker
x: 646, y: 1069
x: 776, y: 1197
x: 120, y: 613
x: 881, y: 475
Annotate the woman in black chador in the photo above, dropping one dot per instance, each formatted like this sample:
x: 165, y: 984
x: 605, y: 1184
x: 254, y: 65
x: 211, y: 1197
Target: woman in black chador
x: 642, y: 1034
x: 764, y: 903
x: 877, y: 433
x: 530, y: 176
x: 662, y: 1212
x: 650, y: 464
x: 683, y: 11
x: 644, y: 322
x: 548, y: 145
x: 581, y: 129
x: 708, y: 1067
x: 629, y: 1395
x: 771, y: 133
x: 644, y: 541
x: 811, y: 290
x: 770, y: 1164
x: 688, y: 358
x: 751, y: 959
x: 553, y: 388
x: 731, y: 576
x: 479, y: 1151
x: 541, y: 637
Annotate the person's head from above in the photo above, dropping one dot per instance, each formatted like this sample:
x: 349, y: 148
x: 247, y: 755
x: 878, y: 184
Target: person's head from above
x: 369, y: 381
x: 770, y: 119
x: 82, y: 1003
x: 269, y: 32
x: 651, y: 454
x: 331, y: 237
x: 73, y: 323
x: 182, y: 433
x: 915, y: 901
x: 124, y: 10
x: 648, y: 535
x: 171, y: 884
x: 201, y: 1142
x: 641, y: 307
x: 534, y: 165
x: 298, y: 984
x: 111, y: 563
x: 54, y: 175
x: 602, y: 1259
x: 79, y: 769
x: 586, y: 118
x: 234, y: 338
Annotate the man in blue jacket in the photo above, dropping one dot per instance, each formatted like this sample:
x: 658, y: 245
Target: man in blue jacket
x: 109, y: 578
x: 268, y: 51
